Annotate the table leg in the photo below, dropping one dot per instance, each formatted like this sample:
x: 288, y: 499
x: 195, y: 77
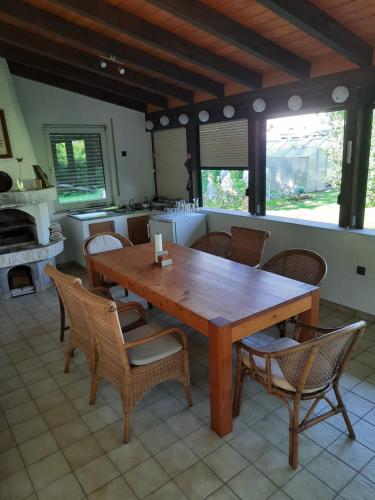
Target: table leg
x: 92, y: 275
x: 311, y: 316
x: 220, y: 359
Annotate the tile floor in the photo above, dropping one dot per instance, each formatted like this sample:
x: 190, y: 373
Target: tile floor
x: 53, y: 445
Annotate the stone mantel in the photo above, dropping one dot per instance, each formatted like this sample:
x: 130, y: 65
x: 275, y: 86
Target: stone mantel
x: 12, y: 199
x: 40, y: 252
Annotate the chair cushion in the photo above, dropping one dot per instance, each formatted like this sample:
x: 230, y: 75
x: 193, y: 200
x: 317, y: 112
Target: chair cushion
x: 103, y: 243
x: 278, y: 378
x: 151, y: 351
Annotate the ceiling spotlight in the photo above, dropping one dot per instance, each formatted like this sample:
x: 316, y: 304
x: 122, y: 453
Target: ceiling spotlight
x: 121, y: 70
x: 103, y: 64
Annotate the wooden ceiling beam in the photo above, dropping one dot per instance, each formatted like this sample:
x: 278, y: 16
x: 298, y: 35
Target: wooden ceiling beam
x: 212, y: 21
x: 317, y: 23
x: 84, y: 60
x: 73, y: 86
x: 50, y: 65
x: 50, y: 23
x: 131, y: 25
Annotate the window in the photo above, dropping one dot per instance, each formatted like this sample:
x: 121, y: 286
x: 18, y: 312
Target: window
x: 224, y: 164
x: 78, y: 158
x: 170, y: 157
x: 304, y: 164
x: 370, y: 193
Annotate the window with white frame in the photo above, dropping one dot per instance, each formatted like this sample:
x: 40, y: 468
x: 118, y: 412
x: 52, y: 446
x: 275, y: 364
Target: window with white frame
x: 78, y: 157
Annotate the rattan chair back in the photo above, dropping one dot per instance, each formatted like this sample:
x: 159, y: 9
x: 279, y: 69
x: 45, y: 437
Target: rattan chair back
x: 216, y: 243
x: 81, y: 336
x: 317, y: 362
x: 298, y: 264
x: 247, y: 245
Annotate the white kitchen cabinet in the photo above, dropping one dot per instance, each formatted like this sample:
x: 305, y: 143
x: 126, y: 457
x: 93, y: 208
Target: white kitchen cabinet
x: 77, y: 230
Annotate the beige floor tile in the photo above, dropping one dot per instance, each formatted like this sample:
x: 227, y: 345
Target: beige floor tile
x: 10, y: 385
x: 167, y: 407
x: 99, y: 418
x: 268, y: 402
x: 42, y: 387
x: 198, y: 481
x: 351, y: 452
x: 127, y: 456
x: 70, y: 432
x: 184, y: 423
x: 323, y: 434
x: 275, y: 465
x: 38, y: 448
x: 360, y: 488
x: 226, y: 462
x: 110, y: 436
x: 96, y: 473
x: 66, y: 487
x: 271, y: 428
x: 10, y: 462
x: 146, y: 478
x: 169, y: 490
x: 77, y: 389
x: 307, y: 449
x: 203, y: 441
x: 23, y: 412
x: 35, y: 426
x: 51, y: 400
x: 250, y: 483
x: 63, y: 379
x: 369, y: 470
x: 50, y: 356
x: 304, y: 486
x: 16, y: 487
x: 251, y: 445
x: 365, y: 433
x: 14, y: 398
x: 6, y: 440
x: 48, y: 469
x: 176, y: 458
x: 60, y: 415
x: 357, y: 404
x: 158, y: 438
x: 331, y: 471
x: 115, y: 490
x: 143, y: 419
x: 83, y: 407
x: 223, y: 493
x: 83, y: 451
x: 251, y: 412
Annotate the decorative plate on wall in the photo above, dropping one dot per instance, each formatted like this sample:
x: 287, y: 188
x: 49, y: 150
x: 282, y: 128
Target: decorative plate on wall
x: 259, y: 105
x: 183, y: 119
x: 229, y: 111
x: 149, y: 125
x: 340, y: 94
x: 164, y: 120
x: 5, y: 182
x: 203, y: 116
x: 295, y: 102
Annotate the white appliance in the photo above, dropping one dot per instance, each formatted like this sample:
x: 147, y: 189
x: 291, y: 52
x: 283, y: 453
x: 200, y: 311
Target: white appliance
x: 183, y: 229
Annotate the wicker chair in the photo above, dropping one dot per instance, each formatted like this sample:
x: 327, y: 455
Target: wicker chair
x: 297, y: 264
x: 296, y: 372
x: 130, y: 316
x: 105, y: 242
x: 148, y: 356
x: 247, y: 245
x: 216, y: 243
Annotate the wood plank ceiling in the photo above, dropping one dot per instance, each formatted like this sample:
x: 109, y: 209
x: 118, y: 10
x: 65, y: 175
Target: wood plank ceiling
x: 185, y: 51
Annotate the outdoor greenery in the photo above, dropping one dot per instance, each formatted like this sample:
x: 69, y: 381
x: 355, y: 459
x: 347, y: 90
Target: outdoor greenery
x: 225, y: 189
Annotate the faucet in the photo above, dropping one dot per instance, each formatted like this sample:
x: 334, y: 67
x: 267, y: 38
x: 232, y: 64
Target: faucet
x: 131, y: 202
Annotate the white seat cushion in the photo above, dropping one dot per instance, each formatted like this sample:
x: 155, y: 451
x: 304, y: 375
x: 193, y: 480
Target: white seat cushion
x: 278, y: 378
x: 103, y: 243
x: 154, y: 350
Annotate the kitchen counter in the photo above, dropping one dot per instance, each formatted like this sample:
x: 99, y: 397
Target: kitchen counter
x: 103, y: 214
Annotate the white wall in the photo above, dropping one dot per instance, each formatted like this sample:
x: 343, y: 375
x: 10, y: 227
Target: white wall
x: 342, y: 249
x: 18, y: 136
x: 45, y: 105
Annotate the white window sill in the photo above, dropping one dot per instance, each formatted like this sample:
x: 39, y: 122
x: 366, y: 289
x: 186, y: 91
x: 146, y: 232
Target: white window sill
x: 287, y: 220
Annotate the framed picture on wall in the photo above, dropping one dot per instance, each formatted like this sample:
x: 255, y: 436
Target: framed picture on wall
x: 5, y: 149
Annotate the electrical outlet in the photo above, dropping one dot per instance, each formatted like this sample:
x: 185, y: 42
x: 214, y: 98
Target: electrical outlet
x: 361, y: 270
x: 123, y: 153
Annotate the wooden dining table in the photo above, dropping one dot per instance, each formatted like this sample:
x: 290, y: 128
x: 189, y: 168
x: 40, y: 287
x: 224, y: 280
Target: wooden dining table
x: 222, y: 299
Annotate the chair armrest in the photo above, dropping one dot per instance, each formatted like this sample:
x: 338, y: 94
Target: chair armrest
x: 132, y: 306
x: 102, y: 291
x: 313, y: 331
x: 129, y: 345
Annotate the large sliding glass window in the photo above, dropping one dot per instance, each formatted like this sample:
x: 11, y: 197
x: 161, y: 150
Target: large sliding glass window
x: 370, y: 193
x: 304, y: 165
x: 224, y: 164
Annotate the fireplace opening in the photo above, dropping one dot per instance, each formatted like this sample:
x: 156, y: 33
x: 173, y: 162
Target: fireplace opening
x: 20, y: 279
x: 17, y: 230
